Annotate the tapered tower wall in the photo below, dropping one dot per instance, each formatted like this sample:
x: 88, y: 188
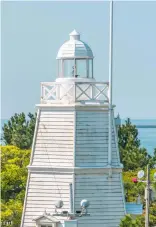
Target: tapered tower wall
x: 71, y: 147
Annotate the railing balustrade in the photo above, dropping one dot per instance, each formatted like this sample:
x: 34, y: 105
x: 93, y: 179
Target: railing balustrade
x: 56, y: 92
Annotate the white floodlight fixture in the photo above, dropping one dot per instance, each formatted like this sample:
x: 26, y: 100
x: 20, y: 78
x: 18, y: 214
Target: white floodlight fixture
x: 59, y: 204
x: 84, y: 203
x: 141, y: 174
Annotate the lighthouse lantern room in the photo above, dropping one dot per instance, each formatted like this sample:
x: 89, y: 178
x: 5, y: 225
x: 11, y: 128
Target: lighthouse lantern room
x: 75, y: 58
x: 73, y: 181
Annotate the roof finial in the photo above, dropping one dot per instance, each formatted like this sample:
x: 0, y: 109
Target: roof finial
x: 74, y: 35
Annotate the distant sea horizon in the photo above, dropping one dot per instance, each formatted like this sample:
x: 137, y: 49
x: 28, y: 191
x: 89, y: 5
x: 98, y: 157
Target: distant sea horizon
x: 147, y: 136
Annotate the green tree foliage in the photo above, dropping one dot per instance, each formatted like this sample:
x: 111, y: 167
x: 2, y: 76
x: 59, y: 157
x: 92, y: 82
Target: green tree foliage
x: 11, y: 213
x: 139, y: 221
x: 19, y: 130
x: 128, y: 135
x: 152, y: 162
x: 132, y: 156
x: 13, y: 176
x: 132, y: 191
x: 153, y: 214
x: 128, y: 221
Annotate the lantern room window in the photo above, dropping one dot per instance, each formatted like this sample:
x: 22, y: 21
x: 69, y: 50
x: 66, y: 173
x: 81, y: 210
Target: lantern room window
x: 81, y: 68
x: 78, y: 68
x: 90, y: 67
x: 68, y: 68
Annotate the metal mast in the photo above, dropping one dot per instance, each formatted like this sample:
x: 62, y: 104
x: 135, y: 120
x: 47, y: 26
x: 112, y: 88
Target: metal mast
x: 110, y: 82
x: 147, y: 197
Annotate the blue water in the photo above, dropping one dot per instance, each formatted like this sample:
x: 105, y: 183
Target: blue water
x: 147, y: 136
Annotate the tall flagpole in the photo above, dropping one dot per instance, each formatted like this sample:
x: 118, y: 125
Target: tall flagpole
x: 110, y: 82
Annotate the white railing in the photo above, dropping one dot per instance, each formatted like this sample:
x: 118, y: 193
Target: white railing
x: 56, y: 92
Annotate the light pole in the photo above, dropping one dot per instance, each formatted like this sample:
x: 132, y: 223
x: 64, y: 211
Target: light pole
x: 147, y: 190
x: 147, y: 197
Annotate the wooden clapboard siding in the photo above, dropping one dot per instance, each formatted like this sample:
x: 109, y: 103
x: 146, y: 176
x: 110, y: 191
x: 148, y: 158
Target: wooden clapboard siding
x: 92, y: 140
x: 59, y: 135
x: 43, y: 191
x: 105, y: 197
x: 54, y: 140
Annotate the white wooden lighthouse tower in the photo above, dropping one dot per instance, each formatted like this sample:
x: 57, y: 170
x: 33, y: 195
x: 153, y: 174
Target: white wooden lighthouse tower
x: 70, y: 162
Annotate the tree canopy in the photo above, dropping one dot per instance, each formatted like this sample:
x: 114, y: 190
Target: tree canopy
x: 19, y: 130
x: 128, y: 221
x: 131, y: 154
x: 13, y: 176
x: 134, y: 158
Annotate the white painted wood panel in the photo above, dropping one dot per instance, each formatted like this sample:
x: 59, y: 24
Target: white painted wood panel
x: 47, y: 195
x: 106, y: 224
x: 49, y: 191
x: 50, y: 187
x: 81, y: 134
x: 54, y: 128
x: 96, y: 139
x: 41, y: 145
x: 41, y: 164
x: 41, y: 150
x: 92, y: 123
x: 100, y: 178
x: 89, y: 113
x: 54, y: 159
x: 96, y: 205
x: 60, y: 183
x: 42, y: 197
x: 54, y: 137
x: 100, y: 216
x: 92, y: 135
x: 106, y: 200
x: 91, y: 149
x: 96, y: 145
x: 43, y: 206
x: 92, y: 154
x: 54, y: 120
x: 53, y: 112
x: 66, y: 176
x: 92, y: 120
x: 91, y: 162
x: 56, y: 123
x: 53, y: 141
x: 57, y: 155
x: 55, y: 134
x: 54, y: 147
